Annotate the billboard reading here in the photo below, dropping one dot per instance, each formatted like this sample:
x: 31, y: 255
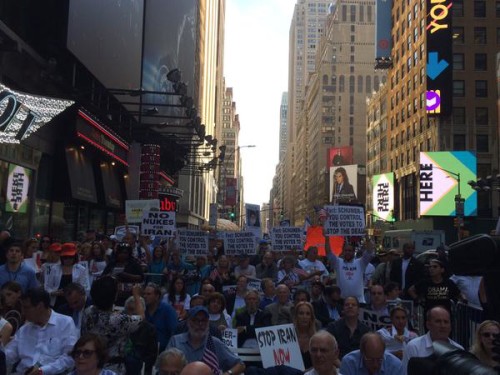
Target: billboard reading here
x: 439, y: 175
x: 383, y: 196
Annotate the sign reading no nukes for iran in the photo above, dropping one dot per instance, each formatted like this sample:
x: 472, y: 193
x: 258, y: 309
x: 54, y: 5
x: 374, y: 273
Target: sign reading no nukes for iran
x: 158, y: 223
x: 278, y: 345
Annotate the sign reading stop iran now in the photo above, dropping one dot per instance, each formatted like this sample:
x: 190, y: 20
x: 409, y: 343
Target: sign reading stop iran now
x: 278, y: 345
x: 345, y: 221
x: 239, y: 243
x: 158, y: 223
x: 286, y: 238
x: 193, y: 242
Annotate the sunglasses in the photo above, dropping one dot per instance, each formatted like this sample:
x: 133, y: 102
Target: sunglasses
x: 489, y: 334
x: 83, y: 353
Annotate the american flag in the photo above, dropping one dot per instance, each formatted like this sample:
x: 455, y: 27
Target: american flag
x: 210, y: 357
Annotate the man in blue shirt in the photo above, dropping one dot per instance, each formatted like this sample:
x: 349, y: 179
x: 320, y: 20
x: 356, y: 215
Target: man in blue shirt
x: 198, y: 345
x: 16, y: 270
x: 371, y: 358
x: 160, y: 314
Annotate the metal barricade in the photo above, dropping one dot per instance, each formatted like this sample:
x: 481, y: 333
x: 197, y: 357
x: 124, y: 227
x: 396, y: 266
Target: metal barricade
x: 465, y: 319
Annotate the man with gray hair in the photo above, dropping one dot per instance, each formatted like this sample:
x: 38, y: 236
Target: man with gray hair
x: 324, y: 354
x: 171, y: 362
x: 371, y: 358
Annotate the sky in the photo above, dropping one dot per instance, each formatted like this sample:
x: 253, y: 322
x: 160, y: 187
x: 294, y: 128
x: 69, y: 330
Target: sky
x: 256, y: 67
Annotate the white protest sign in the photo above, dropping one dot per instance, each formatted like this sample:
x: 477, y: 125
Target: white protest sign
x: 230, y: 338
x: 278, y: 345
x: 286, y: 238
x: 122, y: 230
x: 254, y: 284
x: 345, y: 221
x: 134, y: 209
x: 238, y: 243
x: 158, y: 223
x: 374, y: 319
x: 193, y: 242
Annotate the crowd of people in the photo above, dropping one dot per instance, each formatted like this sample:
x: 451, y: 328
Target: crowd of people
x: 103, y: 306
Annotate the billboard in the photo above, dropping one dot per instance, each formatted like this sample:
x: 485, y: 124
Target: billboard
x: 383, y: 196
x: 439, y: 58
x: 383, y: 39
x: 170, y: 42
x: 337, y: 156
x: 439, y: 175
x: 343, y: 184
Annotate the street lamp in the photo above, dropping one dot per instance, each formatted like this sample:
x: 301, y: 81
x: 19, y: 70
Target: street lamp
x: 230, y: 156
x: 459, y: 202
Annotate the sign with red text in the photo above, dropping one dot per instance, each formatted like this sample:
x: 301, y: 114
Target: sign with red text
x: 279, y: 345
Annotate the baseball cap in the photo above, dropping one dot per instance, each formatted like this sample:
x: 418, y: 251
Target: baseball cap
x: 55, y: 247
x: 68, y: 249
x: 197, y: 309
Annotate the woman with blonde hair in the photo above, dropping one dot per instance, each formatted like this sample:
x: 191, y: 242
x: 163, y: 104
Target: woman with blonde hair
x: 483, y: 343
x: 304, y: 321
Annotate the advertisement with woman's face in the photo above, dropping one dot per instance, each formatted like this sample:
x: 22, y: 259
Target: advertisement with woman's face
x: 343, y: 184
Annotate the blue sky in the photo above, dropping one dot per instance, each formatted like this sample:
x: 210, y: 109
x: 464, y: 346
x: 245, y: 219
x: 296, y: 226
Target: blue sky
x: 256, y: 67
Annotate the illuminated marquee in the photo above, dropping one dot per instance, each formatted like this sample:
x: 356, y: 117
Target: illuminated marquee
x: 439, y: 57
x: 21, y: 114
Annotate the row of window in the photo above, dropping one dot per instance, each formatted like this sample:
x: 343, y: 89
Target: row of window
x: 480, y: 88
x: 366, y: 81
x: 361, y: 16
x: 480, y: 8
x: 480, y: 61
x: 480, y: 35
x: 481, y: 116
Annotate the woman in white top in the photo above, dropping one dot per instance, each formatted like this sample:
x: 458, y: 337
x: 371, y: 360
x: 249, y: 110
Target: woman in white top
x: 64, y: 273
x: 178, y: 298
x: 397, y: 335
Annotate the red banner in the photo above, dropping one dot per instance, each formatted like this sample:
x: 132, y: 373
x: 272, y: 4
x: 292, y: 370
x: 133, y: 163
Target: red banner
x: 315, y: 237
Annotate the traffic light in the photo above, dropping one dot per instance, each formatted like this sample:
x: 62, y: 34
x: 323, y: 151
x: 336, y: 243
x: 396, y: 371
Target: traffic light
x: 232, y: 216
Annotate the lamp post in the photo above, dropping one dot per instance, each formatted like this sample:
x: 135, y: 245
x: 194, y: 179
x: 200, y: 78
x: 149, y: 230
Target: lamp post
x: 459, y: 202
x: 230, y: 156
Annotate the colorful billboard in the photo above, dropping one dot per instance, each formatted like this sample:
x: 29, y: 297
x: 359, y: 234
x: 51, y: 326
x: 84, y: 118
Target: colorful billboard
x: 439, y: 57
x: 18, y: 185
x: 343, y: 184
x: 383, y: 39
x: 337, y: 156
x: 383, y: 196
x: 440, y: 173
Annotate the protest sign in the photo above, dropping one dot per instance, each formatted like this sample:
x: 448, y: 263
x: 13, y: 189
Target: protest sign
x: 230, y: 338
x: 374, y: 320
x: 193, y: 242
x: 239, y: 243
x: 278, y: 345
x: 345, y: 221
x: 122, y: 230
x: 134, y: 209
x: 158, y: 223
x: 286, y: 238
x: 255, y: 284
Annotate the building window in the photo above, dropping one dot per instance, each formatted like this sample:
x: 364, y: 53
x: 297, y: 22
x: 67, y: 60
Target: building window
x: 482, y: 116
x: 482, y: 143
x: 344, y: 13
x: 353, y: 28
x: 369, y: 13
x: 480, y: 61
x: 458, y: 115
x: 480, y: 35
x: 360, y: 84
x: 458, y: 35
x: 459, y: 142
x: 352, y: 84
x: 497, y: 8
x: 368, y: 84
x: 479, y: 8
x: 361, y: 13
x: 458, y: 61
x: 481, y: 88
x: 458, y: 88
x: 458, y: 8
x: 341, y: 83
x: 353, y: 13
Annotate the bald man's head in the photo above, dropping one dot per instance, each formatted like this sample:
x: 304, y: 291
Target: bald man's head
x: 196, y: 368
